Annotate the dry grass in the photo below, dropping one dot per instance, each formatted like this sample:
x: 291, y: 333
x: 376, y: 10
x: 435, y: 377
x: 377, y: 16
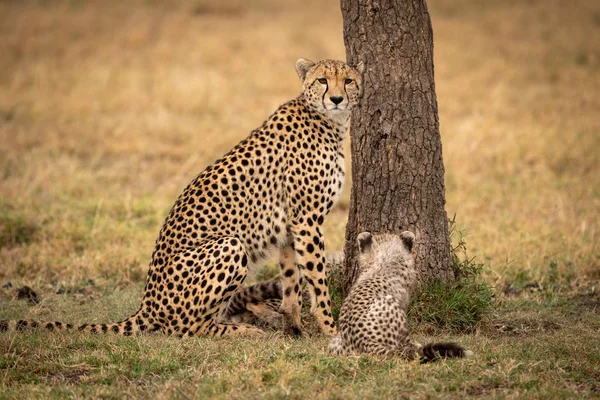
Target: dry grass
x: 535, y: 347
x: 108, y: 109
x: 518, y: 90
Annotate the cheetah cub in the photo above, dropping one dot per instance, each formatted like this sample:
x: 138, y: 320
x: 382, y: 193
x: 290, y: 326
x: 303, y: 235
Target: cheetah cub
x: 373, y: 318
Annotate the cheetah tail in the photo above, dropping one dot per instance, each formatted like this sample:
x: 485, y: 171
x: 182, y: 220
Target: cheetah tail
x: 436, y: 351
x: 130, y: 326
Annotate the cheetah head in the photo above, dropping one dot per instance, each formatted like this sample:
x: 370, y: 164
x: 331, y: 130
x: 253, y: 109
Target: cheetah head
x: 331, y: 87
x: 386, y: 251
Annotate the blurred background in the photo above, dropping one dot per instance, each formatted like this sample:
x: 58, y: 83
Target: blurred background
x: 109, y: 109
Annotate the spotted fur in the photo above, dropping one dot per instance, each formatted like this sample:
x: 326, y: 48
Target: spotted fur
x: 270, y: 192
x: 259, y: 304
x: 373, y: 318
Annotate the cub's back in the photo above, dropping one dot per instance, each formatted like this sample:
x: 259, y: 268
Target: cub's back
x: 373, y: 316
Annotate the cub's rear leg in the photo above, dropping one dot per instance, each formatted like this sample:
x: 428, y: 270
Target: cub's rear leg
x: 267, y: 313
x: 197, y: 286
x: 257, y: 305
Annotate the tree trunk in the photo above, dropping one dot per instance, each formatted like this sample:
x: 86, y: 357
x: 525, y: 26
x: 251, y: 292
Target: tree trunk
x: 397, y: 167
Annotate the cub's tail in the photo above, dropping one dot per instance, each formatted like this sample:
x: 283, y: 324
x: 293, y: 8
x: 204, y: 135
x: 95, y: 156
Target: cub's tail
x: 135, y: 324
x: 436, y: 351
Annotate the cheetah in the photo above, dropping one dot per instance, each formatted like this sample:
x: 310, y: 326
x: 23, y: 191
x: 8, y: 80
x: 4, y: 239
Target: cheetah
x: 373, y: 318
x: 259, y: 304
x: 271, y: 192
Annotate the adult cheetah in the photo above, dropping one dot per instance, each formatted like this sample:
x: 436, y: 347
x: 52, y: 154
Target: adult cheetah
x: 373, y: 316
x: 270, y: 192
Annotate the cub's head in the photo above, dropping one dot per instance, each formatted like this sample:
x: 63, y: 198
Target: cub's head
x: 387, y: 251
x: 331, y: 87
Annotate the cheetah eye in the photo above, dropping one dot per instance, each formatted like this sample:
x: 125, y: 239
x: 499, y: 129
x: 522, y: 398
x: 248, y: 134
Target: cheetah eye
x: 348, y: 81
x: 322, y: 80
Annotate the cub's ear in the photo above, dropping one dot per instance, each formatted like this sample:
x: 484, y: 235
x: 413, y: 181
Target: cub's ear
x: 361, y: 67
x: 408, y: 238
x: 364, y: 240
x: 302, y: 67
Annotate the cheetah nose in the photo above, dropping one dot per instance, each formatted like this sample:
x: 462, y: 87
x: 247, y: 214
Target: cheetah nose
x: 336, y: 99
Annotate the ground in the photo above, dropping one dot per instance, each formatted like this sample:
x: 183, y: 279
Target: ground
x: 108, y: 110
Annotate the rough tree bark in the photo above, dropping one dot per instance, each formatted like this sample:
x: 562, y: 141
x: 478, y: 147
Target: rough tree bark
x: 397, y: 168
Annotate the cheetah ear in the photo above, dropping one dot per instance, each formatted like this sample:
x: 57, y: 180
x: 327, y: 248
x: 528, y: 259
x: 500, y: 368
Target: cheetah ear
x: 302, y: 67
x: 361, y: 67
x: 365, y: 240
x: 408, y: 238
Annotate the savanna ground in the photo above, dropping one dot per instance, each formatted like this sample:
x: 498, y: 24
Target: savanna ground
x: 108, y: 109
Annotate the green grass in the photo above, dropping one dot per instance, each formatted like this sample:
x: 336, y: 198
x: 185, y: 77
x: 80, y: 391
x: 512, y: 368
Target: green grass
x: 458, y: 306
x: 532, y: 346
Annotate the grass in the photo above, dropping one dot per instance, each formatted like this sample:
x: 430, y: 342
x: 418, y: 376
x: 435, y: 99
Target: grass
x: 108, y: 110
x: 459, y: 306
x: 533, y: 346
x: 15, y: 229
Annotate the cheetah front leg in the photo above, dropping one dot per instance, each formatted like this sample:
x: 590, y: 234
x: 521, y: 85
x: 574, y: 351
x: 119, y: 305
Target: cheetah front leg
x: 309, y: 247
x: 291, y: 303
